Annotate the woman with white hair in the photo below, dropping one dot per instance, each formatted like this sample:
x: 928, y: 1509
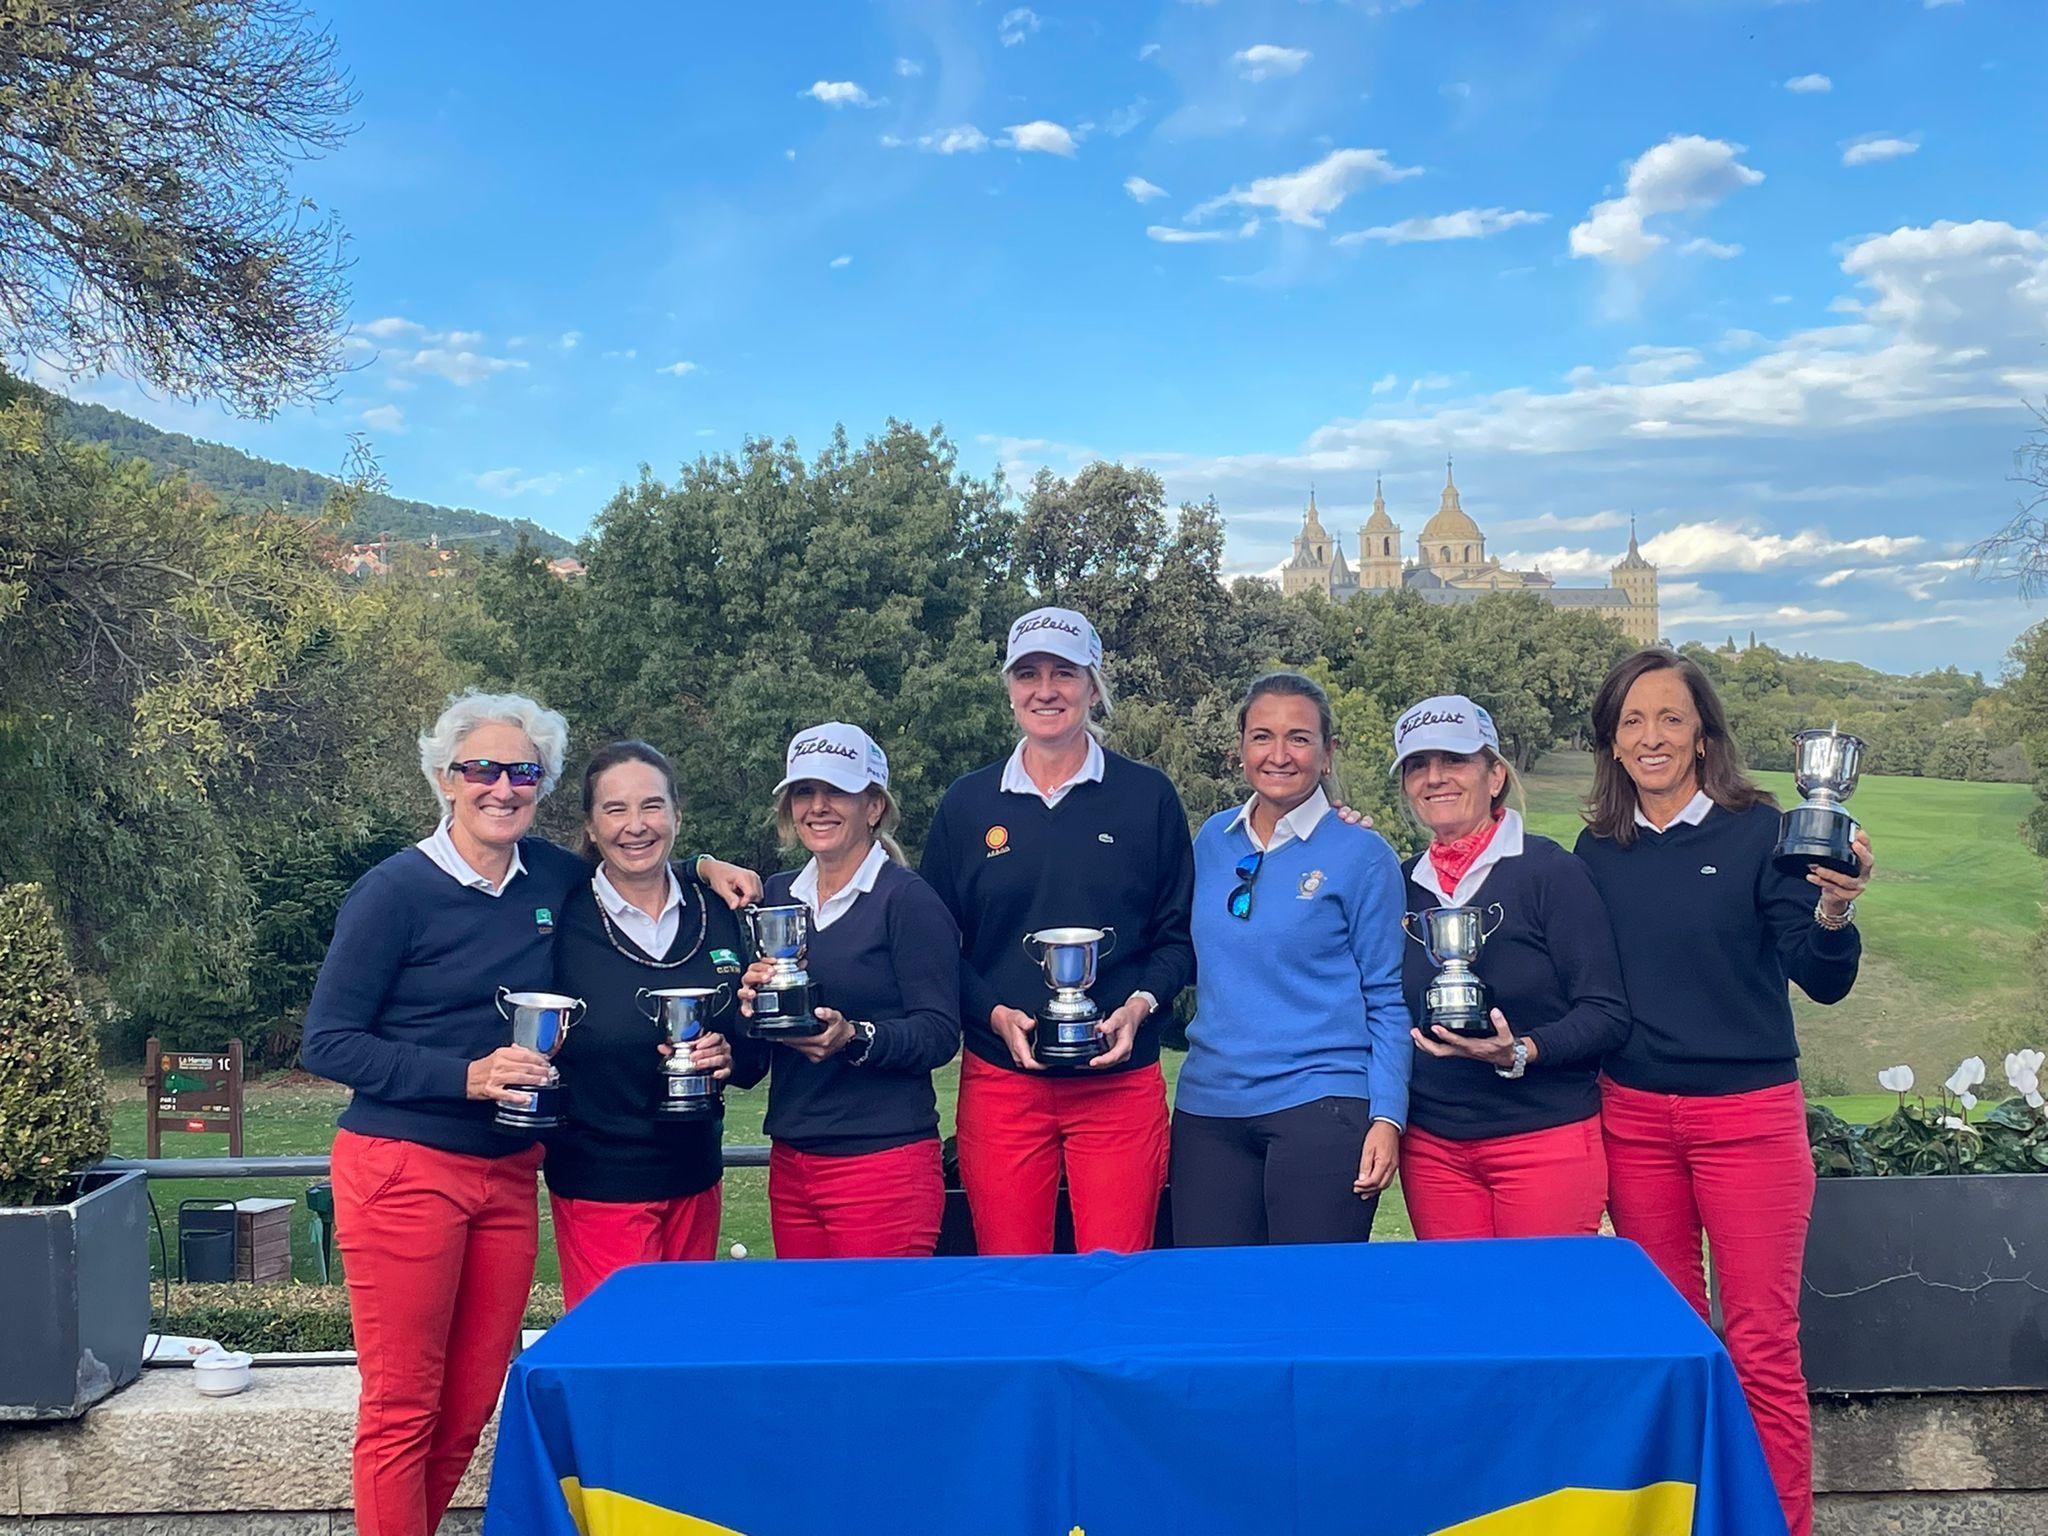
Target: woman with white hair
x: 435, y: 1207
x: 1063, y: 834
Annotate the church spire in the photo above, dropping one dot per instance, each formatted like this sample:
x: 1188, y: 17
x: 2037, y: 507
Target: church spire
x: 1379, y: 499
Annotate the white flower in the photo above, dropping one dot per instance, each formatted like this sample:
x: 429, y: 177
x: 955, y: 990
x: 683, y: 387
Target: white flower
x: 2034, y: 1098
x: 2032, y: 1061
x: 1899, y: 1079
x: 1966, y: 1077
x: 1958, y: 1123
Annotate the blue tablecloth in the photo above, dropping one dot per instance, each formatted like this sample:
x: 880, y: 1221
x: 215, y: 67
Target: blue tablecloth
x: 1398, y: 1389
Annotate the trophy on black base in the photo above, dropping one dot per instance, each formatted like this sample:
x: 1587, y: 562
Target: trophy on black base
x: 540, y: 1022
x: 1455, y: 999
x: 683, y: 1014
x: 1825, y: 766
x: 784, y: 1004
x: 1066, y: 1038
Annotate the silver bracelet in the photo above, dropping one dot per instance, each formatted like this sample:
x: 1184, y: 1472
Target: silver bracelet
x: 1833, y: 924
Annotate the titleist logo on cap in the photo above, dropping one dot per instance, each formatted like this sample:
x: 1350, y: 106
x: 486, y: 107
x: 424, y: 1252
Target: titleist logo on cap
x: 1422, y: 717
x: 820, y: 744
x: 1025, y: 627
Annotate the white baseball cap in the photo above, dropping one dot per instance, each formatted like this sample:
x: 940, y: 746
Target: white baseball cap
x: 1057, y: 632
x: 835, y: 753
x: 1450, y: 722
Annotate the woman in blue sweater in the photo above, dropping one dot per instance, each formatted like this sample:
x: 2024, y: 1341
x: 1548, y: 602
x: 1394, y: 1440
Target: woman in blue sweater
x: 1503, y: 1129
x: 1288, y: 1117
x: 853, y: 1169
x: 1702, y: 1113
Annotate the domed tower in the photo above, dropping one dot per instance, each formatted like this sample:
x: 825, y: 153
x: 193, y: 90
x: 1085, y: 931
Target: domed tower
x: 1308, y: 568
x: 1451, y: 544
x: 1379, y: 546
x: 1636, y: 580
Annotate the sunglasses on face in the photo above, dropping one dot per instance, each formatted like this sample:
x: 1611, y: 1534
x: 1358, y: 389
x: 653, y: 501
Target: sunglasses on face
x: 1247, y: 873
x: 485, y: 770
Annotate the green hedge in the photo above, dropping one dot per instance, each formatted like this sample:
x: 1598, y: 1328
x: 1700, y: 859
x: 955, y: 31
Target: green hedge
x: 264, y: 1318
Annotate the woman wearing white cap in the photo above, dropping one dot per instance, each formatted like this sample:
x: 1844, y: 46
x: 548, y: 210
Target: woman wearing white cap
x: 1288, y: 1118
x: 1063, y: 834
x: 853, y: 1170
x: 1503, y: 1129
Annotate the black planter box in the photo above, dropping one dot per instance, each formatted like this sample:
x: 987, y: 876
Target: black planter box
x: 1918, y: 1284
x: 76, y: 1282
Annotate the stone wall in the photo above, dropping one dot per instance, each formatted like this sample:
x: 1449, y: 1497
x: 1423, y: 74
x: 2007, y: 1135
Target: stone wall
x: 159, y: 1460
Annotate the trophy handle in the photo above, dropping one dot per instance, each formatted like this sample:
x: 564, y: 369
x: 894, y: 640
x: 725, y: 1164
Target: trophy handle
x: 1408, y: 927
x: 1108, y: 945
x: 1500, y: 916
x: 721, y: 997
x: 746, y: 916
x: 504, y: 993
x: 1037, y: 955
x: 573, y: 1014
x: 640, y: 996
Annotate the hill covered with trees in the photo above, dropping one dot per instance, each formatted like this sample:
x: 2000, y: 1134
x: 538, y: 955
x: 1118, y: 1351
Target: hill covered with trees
x: 248, y: 485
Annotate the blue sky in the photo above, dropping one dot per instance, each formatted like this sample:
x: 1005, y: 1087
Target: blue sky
x: 1772, y: 278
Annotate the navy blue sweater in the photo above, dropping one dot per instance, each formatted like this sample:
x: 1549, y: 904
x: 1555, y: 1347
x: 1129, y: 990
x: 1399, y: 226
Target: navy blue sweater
x: 1710, y: 931
x: 893, y: 959
x: 1552, y: 972
x: 612, y: 1145
x: 407, y: 996
x: 1111, y: 855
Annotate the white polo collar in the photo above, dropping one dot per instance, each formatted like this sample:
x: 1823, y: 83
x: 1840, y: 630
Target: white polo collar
x: 805, y: 888
x: 1506, y: 844
x: 440, y: 847
x: 1017, y: 782
x: 1692, y: 815
x: 1297, y: 823
x: 620, y: 908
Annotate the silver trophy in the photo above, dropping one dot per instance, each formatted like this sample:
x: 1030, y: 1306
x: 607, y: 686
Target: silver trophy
x: 684, y: 1013
x: 540, y: 1022
x: 1455, y: 999
x: 1066, y: 1036
x: 1825, y: 766
x: 785, y: 1004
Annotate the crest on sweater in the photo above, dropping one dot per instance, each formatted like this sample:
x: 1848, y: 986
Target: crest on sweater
x: 1311, y: 883
x: 996, y: 840
x: 543, y: 921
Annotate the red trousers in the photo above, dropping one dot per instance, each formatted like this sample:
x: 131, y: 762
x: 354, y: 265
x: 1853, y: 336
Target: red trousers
x: 877, y: 1205
x: 595, y: 1237
x: 1536, y: 1184
x: 438, y: 1248
x: 1736, y: 1166
x: 1017, y: 1130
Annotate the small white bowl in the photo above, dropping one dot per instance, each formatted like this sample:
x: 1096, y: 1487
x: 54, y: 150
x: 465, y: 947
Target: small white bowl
x: 221, y: 1373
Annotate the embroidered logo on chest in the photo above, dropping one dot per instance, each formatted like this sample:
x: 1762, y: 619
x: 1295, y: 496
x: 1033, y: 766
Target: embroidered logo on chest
x: 1708, y: 869
x: 996, y: 840
x: 1310, y: 884
x: 1104, y: 837
x: 543, y: 920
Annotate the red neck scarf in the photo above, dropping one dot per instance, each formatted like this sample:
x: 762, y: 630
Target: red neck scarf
x: 1452, y: 859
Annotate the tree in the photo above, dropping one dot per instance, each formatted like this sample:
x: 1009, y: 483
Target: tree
x: 145, y: 219
x: 53, y: 1096
x: 2019, y: 550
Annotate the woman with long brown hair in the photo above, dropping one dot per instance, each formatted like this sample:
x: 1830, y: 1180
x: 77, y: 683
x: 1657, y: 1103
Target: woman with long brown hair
x: 1701, y: 1108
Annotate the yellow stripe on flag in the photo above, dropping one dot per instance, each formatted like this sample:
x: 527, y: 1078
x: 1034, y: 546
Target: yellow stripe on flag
x: 600, y: 1512
x: 1661, y: 1509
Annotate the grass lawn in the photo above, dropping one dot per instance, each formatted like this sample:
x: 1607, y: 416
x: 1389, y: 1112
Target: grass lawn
x: 1946, y: 927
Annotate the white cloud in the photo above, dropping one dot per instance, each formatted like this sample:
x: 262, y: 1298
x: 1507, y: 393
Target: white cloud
x: 840, y: 261
x: 458, y: 366
x: 385, y: 418
x: 1686, y: 173
x: 1141, y: 190
x: 1039, y: 136
x: 1700, y: 245
x: 1124, y: 119
x: 1465, y: 224
x: 569, y: 341
x: 961, y: 140
x: 678, y: 370
x: 1872, y: 148
x: 839, y: 93
x: 1147, y: 51
x: 513, y: 482
x: 1017, y: 25
x: 1385, y: 384
x: 1550, y: 522
x: 392, y: 328
x: 1807, y: 85
x: 1166, y: 234
x: 908, y: 69
x: 1269, y: 61
x: 1306, y: 196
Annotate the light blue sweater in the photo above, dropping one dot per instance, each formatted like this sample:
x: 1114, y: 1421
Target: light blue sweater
x: 1302, y: 1000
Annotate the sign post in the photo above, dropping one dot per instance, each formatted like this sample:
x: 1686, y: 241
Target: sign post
x: 193, y: 1091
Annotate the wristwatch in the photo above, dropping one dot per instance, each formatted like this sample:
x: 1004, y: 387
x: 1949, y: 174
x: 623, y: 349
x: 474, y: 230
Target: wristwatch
x: 1151, y: 1002
x: 863, y: 1041
x: 1521, y: 1063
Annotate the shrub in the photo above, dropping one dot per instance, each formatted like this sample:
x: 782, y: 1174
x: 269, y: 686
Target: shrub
x: 53, y: 1095
x: 271, y: 1318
